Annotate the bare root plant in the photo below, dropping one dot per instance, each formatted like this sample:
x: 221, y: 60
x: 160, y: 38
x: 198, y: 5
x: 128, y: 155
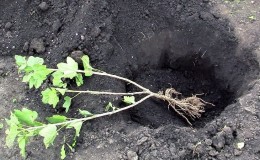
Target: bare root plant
x: 23, y: 124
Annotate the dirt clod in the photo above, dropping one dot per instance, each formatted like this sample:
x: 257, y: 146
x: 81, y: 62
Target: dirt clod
x: 213, y: 152
x: 208, y: 142
x: 142, y: 140
x: 131, y: 155
x: 218, y: 141
x: 76, y: 55
x: 26, y: 46
x: 237, y: 152
x: 228, y: 135
x: 207, y: 48
x: 56, y: 26
x: 43, y: 6
x: 8, y: 25
x: 37, y: 45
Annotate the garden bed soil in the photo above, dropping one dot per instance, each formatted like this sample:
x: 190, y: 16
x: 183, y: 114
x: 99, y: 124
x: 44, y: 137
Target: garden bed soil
x: 206, y: 47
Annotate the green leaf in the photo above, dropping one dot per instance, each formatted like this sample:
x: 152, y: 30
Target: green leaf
x: 79, y: 79
x: 252, y: 17
x: 34, y: 60
x: 85, y: 113
x: 77, y: 126
x: 61, y: 90
x: 11, y: 133
x: 67, y: 103
x: 50, y: 96
x: 1, y: 125
x: 13, y: 120
x: 26, y: 78
x: 69, y: 69
x: 37, y: 74
x: 22, y: 143
x: 49, y: 134
x: 62, y: 152
x: 11, y: 136
x: 26, y: 116
x: 129, y: 99
x: 57, y: 79
x: 110, y: 107
x: 20, y: 61
x: 87, y: 67
x: 56, y: 119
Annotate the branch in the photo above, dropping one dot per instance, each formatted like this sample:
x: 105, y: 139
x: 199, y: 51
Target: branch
x: 101, y: 73
x: 107, y: 93
x: 121, y: 78
x: 96, y: 115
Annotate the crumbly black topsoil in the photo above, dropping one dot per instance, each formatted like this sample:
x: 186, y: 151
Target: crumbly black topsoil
x: 202, y: 47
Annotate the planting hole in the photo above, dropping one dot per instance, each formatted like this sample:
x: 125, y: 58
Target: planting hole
x: 189, y: 76
x: 184, y: 62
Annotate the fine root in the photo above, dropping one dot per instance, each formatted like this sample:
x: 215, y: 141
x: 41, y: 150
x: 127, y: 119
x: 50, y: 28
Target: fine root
x: 192, y: 106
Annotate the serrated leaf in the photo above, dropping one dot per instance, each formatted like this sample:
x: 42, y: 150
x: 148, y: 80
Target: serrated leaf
x: 67, y: 103
x: 69, y: 69
x: 31, y: 82
x: 22, y: 144
x: 79, y: 79
x: 63, y: 152
x: 129, y: 99
x: 26, y: 78
x: 26, y: 116
x: 36, y: 75
x: 110, y: 107
x: 57, y: 79
x: 13, y: 120
x: 87, y: 67
x: 49, y: 134
x: 61, y: 90
x: 77, y: 126
x: 85, y: 113
x: 34, y: 60
x: 50, y: 96
x: 20, y: 61
x: 56, y: 119
x: 11, y: 133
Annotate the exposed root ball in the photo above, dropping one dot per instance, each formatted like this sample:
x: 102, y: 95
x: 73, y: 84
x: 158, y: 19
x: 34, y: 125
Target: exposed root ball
x: 192, y: 107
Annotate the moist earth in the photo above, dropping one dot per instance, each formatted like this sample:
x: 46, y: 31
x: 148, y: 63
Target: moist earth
x: 208, y: 48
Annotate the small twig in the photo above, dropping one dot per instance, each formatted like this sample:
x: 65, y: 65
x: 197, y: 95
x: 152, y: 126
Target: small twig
x: 121, y: 78
x: 76, y: 95
x: 107, y: 93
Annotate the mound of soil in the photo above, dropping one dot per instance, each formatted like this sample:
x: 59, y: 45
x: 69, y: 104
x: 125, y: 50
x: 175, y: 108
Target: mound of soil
x: 205, y: 47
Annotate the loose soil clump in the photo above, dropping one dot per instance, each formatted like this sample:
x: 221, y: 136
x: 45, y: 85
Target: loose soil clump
x: 206, y: 48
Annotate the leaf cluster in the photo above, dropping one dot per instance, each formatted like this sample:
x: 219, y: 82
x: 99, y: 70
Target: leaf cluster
x: 35, y: 73
x: 23, y: 125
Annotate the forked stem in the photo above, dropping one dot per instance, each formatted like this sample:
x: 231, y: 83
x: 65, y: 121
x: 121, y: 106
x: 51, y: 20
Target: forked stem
x: 96, y: 115
x: 191, y: 106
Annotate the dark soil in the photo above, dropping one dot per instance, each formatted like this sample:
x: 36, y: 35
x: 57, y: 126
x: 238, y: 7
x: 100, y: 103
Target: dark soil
x: 207, y: 47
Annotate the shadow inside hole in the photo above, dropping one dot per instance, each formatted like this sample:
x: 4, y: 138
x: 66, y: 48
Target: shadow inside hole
x: 190, y: 75
x: 197, y: 60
